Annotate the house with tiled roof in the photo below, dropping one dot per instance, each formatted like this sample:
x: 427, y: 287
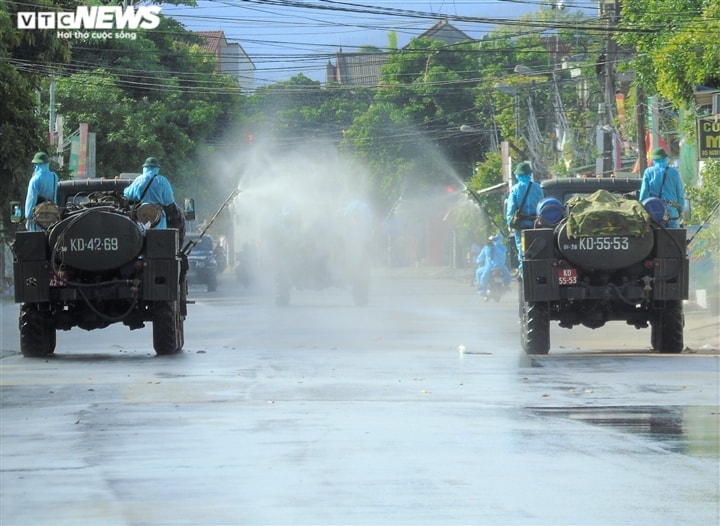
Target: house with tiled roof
x: 356, y: 69
x: 363, y: 68
x: 445, y: 32
x: 231, y: 58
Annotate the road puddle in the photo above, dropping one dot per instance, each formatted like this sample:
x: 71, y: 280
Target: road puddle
x: 690, y: 430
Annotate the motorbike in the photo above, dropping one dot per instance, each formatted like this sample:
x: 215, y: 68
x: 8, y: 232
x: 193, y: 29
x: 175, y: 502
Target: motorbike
x: 496, y: 285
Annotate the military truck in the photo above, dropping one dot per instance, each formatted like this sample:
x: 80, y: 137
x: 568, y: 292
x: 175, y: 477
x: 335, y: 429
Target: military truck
x: 319, y: 251
x: 598, y: 255
x: 97, y: 263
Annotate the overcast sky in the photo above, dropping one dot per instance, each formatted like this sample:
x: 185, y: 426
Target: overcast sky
x: 287, y: 37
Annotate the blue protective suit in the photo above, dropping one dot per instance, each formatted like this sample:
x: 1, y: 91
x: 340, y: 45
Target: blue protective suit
x: 673, y: 191
x: 534, y: 196
x: 358, y: 218
x: 160, y: 191
x: 492, y: 256
x: 42, y: 187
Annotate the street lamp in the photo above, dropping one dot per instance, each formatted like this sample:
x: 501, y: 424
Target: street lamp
x: 525, y: 70
x: 514, y: 92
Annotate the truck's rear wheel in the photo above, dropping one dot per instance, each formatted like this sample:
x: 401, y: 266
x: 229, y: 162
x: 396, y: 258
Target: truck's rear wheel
x: 212, y: 282
x: 535, y: 328
x: 282, y: 298
x: 37, y: 334
x: 361, y: 288
x: 283, y: 285
x: 361, y: 294
x: 180, y: 332
x: 666, y: 332
x: 168, y: 328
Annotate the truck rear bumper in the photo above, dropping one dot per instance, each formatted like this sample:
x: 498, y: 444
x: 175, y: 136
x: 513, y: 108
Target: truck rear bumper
x: 665, y: 282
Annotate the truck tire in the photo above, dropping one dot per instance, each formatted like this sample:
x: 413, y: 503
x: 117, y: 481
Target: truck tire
x: 180, y: 332
x: 283, y: 285
x: 282, y: 298
x: 37, y: 334
x: 361, y: 294
x: 361, y: 288
x: 535, y: 328
x: 666, y: 332
x: 212, y: 282
x: 167, y: 328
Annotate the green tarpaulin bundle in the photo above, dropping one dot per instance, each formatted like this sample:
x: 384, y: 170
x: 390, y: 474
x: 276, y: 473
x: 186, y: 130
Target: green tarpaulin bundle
x: 606, y: 214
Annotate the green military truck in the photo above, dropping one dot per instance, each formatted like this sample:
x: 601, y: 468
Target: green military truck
x: 598, y: 255
x: 97, y: 264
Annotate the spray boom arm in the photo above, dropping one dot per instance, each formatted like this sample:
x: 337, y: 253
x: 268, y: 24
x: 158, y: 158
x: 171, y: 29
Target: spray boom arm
x: 702, y: 225
x: 476, y: 196
x: 191, y: 244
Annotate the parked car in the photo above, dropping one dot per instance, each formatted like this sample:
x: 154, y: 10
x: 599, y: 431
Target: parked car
x: 202, y: 266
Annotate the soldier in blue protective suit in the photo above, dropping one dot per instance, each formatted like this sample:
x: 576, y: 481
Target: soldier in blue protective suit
x: 664, y: 182
x: 522, y: 204
x: 42, y: 187
x: 151, y: 187
x: 492, y: 256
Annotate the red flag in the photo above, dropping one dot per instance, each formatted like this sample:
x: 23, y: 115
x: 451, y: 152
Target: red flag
x: 648, y: 151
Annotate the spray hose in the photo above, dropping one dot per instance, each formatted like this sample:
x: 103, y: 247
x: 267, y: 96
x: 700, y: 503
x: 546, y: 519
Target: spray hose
x: 702, y: 225
x: 191, y: 244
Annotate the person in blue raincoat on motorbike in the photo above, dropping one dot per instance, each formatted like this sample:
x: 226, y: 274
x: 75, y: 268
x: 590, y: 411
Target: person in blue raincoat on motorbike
x: 42, y: 187
x: 153, y: 188
x: 492, y: 256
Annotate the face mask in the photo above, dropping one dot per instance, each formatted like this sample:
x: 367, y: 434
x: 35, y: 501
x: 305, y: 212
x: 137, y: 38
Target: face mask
x: 41, y: 169
x: 150, y: 170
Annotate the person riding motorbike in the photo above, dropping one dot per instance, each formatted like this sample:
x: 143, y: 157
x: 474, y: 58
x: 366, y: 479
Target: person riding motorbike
x: 492, y: 256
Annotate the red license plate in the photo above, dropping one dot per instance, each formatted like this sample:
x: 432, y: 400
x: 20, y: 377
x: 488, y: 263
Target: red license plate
x: 55, y: 281
x: 567, y: 276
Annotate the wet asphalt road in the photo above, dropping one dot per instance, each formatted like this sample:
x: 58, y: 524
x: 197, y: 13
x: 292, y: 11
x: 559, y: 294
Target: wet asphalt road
x: 419, y: 409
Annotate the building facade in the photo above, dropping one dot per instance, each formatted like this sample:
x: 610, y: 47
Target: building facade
x: 363, y: 68
x: 231, y: 58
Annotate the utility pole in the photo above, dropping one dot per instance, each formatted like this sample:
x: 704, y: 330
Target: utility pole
x: 51, y: 127
x: 640, y: 116
x: 606, y: 145
x: 654, y: 123
x: 611, y: 54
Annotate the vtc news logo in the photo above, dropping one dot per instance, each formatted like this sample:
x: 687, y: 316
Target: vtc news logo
x: 94, y: 17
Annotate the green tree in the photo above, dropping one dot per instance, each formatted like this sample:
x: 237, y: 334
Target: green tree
x: 409, y: 136
x: 676, y: 51
x: 300, y: 109
x: 156, y: 95
x: 489, y: 174
x: 25, y: 58
x: 432, y: 84
x: 382, y: 138
x: 525, y: 59
x: 705, y: 199
x: 676, y: 46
